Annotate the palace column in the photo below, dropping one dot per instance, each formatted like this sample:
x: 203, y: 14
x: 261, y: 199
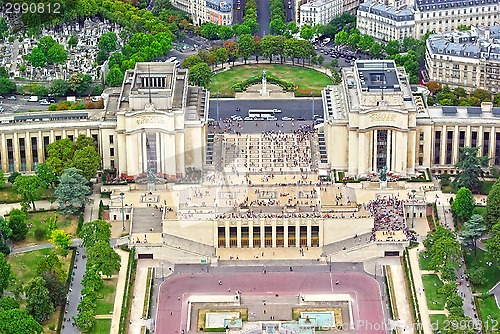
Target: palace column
x: 491, y: 154
x: 5, y: 156
x: 39, y: 147
x: 226, y: 233
x: 309, y: 233
x: 456, y: 138
x: 273, y: 231
x: 122, y: 153
x: 27, y: 151
x: 285, y: 232
x: 480, y: 140
x: 262, y: 233
x: 297, y: 233
x: 238, y: 234
x: 17, y: 157
x: 389, y: 145
x: 179, y: 153
x: 362, y: 151
x: 353, y: 153
x: 468, y: 137
x: 444, y: 137
x: 250, y: 233
x: 158, y: 152
x: 374, y: 151
x: 412, y: 147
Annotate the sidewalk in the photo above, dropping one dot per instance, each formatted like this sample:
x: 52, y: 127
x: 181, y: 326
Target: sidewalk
x: 405, y: 320
x: 419, y: 287
x: 136, y: 320
x: 120, y: 291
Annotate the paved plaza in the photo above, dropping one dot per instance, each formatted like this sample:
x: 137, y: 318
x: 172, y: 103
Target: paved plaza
x: 269, y: 297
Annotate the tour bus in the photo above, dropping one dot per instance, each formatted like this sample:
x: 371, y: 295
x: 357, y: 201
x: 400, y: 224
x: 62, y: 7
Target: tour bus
x: 263, y: 112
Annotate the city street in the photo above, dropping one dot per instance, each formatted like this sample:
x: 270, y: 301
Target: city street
x: 299, y: 107
x: 19, y: 105
x: 263, y: 17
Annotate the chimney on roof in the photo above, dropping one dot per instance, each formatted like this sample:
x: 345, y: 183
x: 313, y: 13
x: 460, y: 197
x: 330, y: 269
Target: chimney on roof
x: 486, y: 107
x: 487, y: 33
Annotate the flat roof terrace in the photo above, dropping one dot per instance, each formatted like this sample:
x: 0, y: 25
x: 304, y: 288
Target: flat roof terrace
x: 377, y: 76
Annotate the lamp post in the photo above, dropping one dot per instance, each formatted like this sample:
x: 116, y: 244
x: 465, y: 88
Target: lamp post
x: 217, y: 107
x: 122, y: 195
x: 312, y: 116
x: 413, y: 191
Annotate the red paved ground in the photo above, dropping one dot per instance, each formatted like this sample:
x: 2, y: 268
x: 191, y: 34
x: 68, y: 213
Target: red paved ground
x: 367, y: 304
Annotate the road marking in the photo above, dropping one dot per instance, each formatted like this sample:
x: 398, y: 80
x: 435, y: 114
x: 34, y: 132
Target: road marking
x: 331, y: 282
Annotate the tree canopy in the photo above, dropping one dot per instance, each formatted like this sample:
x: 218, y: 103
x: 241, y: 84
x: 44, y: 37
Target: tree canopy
x: 463, y: 205
x: 5, y: 273
x: 38, y: 302
x: 470, y: 167
x: 72, y: 191
x: 97, y: 230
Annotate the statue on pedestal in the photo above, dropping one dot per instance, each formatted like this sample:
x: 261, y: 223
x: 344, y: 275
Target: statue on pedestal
x: 383, y: 177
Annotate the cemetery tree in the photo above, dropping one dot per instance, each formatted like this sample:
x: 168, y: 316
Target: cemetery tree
x: 72, y: 191
x: 30, y: 188
x: 114, y: 78
x: 38, y: 302
x: 108, y: 42
x: 45, y: 43
x: 56, y: 288
x: 80, y: 83
x: 59, y: 87
x: 200, y: 74
x: 97, y: 230
x: 17, y: 321
x: 60, y: 155
x: 57, y: 54
x: 7, y: 86
x: 463, y: 205
x: 103, y: 258
x: 17, y: 223
x: 5, y: 273
x: 473, y: 230
x: 37, y: 57
x: 46, y: 175
x: 72, y: 41
x: 4, y: 28
x: 471, y: 167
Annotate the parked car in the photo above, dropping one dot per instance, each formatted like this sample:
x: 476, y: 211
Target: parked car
x: 301, y: 119
x: 44, y: 102
x: 12, y: 97
x: 286, y: 118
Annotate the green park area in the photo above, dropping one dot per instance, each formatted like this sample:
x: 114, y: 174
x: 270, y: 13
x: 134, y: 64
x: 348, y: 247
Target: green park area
x: 9, y: 195
x: 106, y: 297
x: 306, y: 79
x: 438, y: 322
x: 101, y: 326
x: 435, y: 299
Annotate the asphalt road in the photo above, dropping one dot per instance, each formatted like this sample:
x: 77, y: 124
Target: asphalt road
x: 75, y: 291
x: 175, y: 292
x: 289, y: 12
x: 19, y: 105
x: 301, y: 107
x: 263, y: 17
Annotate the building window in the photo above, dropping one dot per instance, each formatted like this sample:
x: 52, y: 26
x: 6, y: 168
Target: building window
x: 421, y: 136
x: 112, y: 164
x: 437, y: 147
x: 461, y: 140
x: 486, y: 144
x: 497, y: 148
x: 474, y: 139
x: 58, y: 138
x: 449, y: 147
x: 111, y: 139
x: 111, y: 152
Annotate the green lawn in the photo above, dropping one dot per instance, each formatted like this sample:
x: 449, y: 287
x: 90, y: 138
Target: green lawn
x: 68, y: 223
x: 435, y: 300
x: 489, y: 307
x: 438, y: 322
x: 24, y: 265
x: 105, y: 304
x: 306, y: 79
x: 101, y: 326
x: 9, y: 195
x: 423, y: 261
x: 492, y: 273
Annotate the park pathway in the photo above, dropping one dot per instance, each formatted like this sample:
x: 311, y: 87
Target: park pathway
x: 120, y: 290
x: 405, y: 321
x: 419, y: 287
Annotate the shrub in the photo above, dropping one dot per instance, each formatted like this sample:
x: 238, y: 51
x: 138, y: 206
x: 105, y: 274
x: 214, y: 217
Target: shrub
x: 40, y: 233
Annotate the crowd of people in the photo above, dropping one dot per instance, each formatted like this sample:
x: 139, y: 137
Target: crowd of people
x: 388, y: 214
